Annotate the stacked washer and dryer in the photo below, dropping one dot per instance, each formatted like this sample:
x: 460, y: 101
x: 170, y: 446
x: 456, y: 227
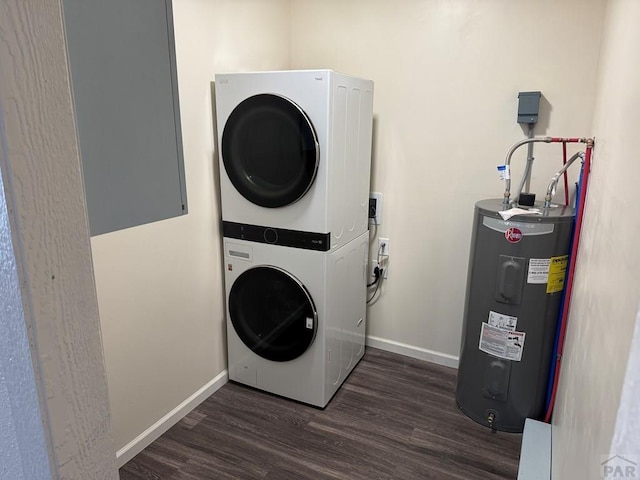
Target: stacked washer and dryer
x: 295, y: 156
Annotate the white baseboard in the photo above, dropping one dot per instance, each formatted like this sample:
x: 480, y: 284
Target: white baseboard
x: 413, y: 351
x: 152, y: 433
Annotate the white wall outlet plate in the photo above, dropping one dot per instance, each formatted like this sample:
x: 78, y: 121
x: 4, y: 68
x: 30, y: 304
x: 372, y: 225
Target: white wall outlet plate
x: 383, y: 246
x: 375, y: 198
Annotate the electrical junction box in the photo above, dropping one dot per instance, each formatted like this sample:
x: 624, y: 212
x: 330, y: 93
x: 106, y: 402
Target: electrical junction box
x: 528, y: 106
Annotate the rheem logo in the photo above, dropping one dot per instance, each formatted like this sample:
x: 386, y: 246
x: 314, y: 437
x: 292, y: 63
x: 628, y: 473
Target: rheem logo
x: 513, y: 235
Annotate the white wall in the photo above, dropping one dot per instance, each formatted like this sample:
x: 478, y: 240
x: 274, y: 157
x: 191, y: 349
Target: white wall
x: 607, y: 289
x: 160, y: 286
x: 447, y: 74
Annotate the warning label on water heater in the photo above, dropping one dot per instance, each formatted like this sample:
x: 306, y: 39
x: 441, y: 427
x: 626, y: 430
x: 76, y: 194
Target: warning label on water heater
x: 550, y: 271
x: 501, y: 343
x: 557, y: 272
x: 506, y: 322
x: 538, y: 270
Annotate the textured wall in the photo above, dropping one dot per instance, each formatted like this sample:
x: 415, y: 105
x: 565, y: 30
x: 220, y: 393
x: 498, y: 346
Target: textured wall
x: 45, y: 198
x: 160, y: 289
x: 23, y: 451
x: 447, y: 74
x: 607, y: 290
x: 626, y: 439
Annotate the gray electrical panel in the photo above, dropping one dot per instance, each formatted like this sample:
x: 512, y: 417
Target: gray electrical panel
x: 528, y: 107
x: 123, y: 71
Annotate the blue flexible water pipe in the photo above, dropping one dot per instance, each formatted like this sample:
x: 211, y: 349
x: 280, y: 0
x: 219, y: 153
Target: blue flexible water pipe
x: 552, y: 371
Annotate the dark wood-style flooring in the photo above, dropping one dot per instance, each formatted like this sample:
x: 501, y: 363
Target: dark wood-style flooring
x: 394, y: 418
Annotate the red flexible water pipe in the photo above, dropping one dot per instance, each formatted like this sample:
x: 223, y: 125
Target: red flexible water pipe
x: 564, y: 141
x: 568, y: 140
x: 566, y: 181
x: 572, y: 269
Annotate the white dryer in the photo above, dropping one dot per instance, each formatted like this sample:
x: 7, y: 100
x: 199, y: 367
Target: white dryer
x: 295, y: 153
x: 295, y: 317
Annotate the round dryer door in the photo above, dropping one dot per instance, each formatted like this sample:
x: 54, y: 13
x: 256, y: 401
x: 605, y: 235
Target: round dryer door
x: 272, y: 313
x: 270, y: 150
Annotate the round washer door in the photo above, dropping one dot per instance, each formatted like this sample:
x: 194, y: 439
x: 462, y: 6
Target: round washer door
x: 270, y: 150
x: 273, y: 313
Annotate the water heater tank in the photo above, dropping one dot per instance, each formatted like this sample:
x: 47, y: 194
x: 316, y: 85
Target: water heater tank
x: 514, y: 288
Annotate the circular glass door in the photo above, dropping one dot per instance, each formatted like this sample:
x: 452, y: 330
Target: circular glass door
x: 272, y: 313
x: 270, y: 150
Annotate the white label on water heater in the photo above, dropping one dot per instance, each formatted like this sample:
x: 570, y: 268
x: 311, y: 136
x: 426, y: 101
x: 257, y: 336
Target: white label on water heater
x: 499, y: 320
x: 501, y: 343
x: 538, y: 270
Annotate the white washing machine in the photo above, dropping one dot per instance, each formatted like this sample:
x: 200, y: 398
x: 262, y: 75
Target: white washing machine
x: 295, y: 317
x: 295, y: 154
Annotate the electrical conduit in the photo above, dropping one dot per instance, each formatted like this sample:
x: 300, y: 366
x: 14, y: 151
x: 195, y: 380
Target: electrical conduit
x: 507, y: 162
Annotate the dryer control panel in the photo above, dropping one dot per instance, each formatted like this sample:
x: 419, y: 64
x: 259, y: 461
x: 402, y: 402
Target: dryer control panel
x: 277, y: 236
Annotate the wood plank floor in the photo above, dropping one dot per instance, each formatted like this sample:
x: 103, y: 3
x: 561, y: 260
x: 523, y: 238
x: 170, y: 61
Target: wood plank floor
x: 394, y: 418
